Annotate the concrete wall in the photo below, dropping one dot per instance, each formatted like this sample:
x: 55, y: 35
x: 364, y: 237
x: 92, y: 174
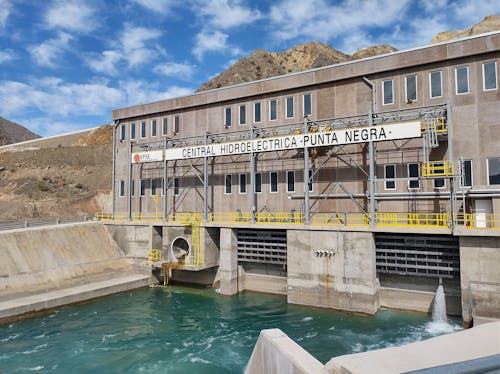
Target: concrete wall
x: 228, y: 264
x: 41, y: 259
x: 346, y: 281
x: 480, y: 276
x: 134, y: 241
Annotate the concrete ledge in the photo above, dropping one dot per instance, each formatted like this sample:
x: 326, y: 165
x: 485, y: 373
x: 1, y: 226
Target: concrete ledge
x: 276, y: 353
x: 52, y: 299
x: 266, y: 283
x: 478, y: 342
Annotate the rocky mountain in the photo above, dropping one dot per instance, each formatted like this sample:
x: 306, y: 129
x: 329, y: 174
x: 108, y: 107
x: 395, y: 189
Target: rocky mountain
x: 11, y: 132
x: 489, y: 23
x: 373, y: 50
x: 261, y: 64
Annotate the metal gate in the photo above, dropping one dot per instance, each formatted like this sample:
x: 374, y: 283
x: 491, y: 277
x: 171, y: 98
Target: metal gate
x: 262, y: 246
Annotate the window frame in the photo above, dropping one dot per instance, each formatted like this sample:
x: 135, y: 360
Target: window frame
x: 288, y: 173
x: 384, y: 89
x: 154, y: 128
x: 310, y: 180
x: 260, y: 111
x: 132, y: 187
x: 484, y: 76
x: 176, y: 186
x: 242, y: 190
x: 258, y: 182
x: 164, y: 126
x: 244, y: 117
x: 275, y: 173
x: 456, y: 80
x: 228, y: 189
x: 409, y: 100
x: 275, y: 101
x: 287, y: 106
x: 143, y: 130
x: 132, y: 131
x: 488, y: 170
x: 413, y: 179
x: 440, y: 84
x: 228, y: 113
x: 123, y: 130
x: 142, y: 187
x: 121, y: 192
x: 304, y: 103
x: 391, y: 179
x: 177, y: 124
x: 462, y: 180
x: 153, y: 187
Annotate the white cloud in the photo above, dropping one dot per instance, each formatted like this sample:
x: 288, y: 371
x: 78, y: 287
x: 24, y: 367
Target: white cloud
x: 71, y: 15
x: 225, y: 14
x: 5, y: 7
x: 158, y: 6
x: 210, y: 41
x: 133, y: 42
x: 318, y: 20
x: 104, y: 63
x: 46, y: 53
x: 174, y: 69
x: 56, y: 101
x: 7, y: 55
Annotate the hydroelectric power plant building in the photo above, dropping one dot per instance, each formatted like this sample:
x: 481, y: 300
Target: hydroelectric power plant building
x: 353, y: 186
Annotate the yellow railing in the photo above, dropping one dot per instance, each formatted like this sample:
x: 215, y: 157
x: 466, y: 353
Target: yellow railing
x: 404, y: 219
x: 438, y: 168
x: 154, y: 255
x: 382, y: 219
x: 436, y: 124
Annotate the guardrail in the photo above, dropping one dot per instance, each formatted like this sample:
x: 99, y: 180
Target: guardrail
x: 11, y: 225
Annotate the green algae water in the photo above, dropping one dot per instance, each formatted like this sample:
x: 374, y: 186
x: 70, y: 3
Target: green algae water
x: 190, y: 330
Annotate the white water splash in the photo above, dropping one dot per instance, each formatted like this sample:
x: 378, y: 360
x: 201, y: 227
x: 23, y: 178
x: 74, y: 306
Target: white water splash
x: 439, y: 324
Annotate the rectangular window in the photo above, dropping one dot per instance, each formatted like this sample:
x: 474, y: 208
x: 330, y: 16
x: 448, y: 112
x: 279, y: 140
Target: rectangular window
x: 243, y: 114
x: 153, y: 127
x: 243, y: 183
x: 439, y: 182
x: 413, y: 174
x: 176, y: 186
x: 227, y: 117
x: 162, y: 186
x: 435, y: 84
x: 489, y: 76
x: 132, y: 187
x: 411, y: 88
x: 273, y: 181
x: 143, y: 187
x: 258, y: 182
x: 177, y: 124
x: 310, y: 181
x: 143, y: 129
x: 387, y: 92
x: 228, y: 178
x: 390, y: 177
x: 462, y: 80
x: 164, y: 128
x: 273, y: 110
x: 132, y: 131
x: 494, y: 171
x: 257, y: 112
x: 466, y: 180
x: 290, y: 181
x: 289, y: 107
x: 122, y: 188
x: 307, y: 104
x: 153, y: 187
x: 122, y: 132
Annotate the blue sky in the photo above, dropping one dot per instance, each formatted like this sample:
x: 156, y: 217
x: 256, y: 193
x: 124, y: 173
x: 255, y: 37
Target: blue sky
x: 65, y: 64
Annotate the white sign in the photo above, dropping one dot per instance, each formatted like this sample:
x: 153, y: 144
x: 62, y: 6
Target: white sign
x: 149, y: 156
x: 393, y: 131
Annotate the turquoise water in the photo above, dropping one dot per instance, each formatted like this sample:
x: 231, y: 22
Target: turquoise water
x: 189, y: 330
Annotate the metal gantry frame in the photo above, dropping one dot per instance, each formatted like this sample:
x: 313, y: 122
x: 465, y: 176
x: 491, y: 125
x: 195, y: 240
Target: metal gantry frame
x: 370, y: 119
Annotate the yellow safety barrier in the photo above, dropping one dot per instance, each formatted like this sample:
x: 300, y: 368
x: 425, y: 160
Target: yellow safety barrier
x: 154, y: 255
x: 404, y: 219
x: 438, y: 168
x: 279, y: 217
x: 480, y: 221
x: 438, y: 125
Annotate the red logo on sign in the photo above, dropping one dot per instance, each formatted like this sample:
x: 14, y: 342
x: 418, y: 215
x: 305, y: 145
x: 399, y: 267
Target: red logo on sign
x: 137, y: 158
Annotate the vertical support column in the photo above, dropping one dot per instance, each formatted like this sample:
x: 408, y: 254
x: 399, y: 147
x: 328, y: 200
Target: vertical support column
x: 307, y: 207
x: 371, y: 150
x: 205, y: 183
x: 165, y: 185
x: 129, y: 197
x: 228, y: 264
x: 252, y: 181
x: 113, y: 188
x: 453, y: 196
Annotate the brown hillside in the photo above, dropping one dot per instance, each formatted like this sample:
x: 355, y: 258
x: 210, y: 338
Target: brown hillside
x: 489, y: 23
x: 11, y: 132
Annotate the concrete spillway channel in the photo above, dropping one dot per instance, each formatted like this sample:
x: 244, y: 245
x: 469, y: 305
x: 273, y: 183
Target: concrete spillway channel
x: 47, y: 267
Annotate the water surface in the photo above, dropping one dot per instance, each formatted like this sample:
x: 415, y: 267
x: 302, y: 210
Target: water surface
x: 190, y: 330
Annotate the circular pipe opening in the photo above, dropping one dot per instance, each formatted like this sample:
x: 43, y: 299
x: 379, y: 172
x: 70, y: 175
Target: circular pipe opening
x: 180, y: 249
